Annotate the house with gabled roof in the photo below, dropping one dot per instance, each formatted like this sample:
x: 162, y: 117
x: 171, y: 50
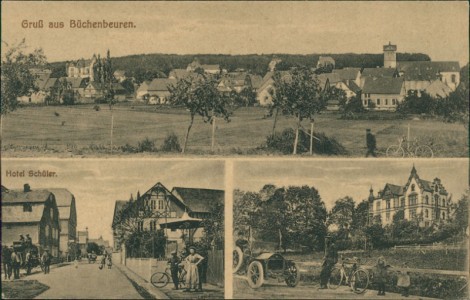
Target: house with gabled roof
x: 159, y: 90
x: 326, y: 61
x: 419, y: 74
x: 159, y: 205
x: 34, y: 213
x: 68, y: 220
x: 82, y: 68
x: 424, y: 201
x: 383, y: 93
x: 266, y: 87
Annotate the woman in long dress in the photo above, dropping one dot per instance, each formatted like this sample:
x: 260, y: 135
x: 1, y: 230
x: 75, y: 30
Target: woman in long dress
x: 192, y: 261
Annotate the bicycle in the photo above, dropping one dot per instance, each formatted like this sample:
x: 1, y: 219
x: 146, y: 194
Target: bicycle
x: 357, y: 277
x: 161, y: 279
x: 413, y: 150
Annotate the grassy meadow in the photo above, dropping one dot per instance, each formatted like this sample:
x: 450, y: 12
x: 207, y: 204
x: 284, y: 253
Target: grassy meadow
x: 82, y: 130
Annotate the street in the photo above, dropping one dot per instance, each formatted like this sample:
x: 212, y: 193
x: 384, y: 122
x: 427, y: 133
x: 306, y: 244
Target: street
x: 86, y: 282
x: 274, y: 290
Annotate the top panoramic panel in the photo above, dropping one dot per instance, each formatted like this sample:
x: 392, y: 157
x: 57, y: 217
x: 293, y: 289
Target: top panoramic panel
x: 311, y: 79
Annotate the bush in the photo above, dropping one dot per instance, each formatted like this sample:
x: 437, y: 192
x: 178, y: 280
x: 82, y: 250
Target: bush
x: 97, y: 107
x: 146, y: 145
x: 322, y: 144
x: 129, y: 148
x: 171, y: 143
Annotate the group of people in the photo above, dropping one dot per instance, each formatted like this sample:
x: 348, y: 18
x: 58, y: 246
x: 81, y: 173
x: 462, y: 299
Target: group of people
x: 187, y: 265
x: 380, y: 272
x: 106, y: 260
x: 13, y: 260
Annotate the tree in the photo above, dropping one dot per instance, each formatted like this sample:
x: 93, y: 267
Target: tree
x: 306, y: 217
x: 246, y: 209
x: 298, y: 96
x: 200, y: 97
x: 214, y: 227
x: 93, y: 247
x: 342, y: 213
x: 461, y: 213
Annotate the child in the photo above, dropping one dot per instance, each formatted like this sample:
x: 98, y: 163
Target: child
x: 404, y: 281
x: 381, y: 276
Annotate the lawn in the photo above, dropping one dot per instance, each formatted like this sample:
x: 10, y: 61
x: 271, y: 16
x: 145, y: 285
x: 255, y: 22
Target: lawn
x: 80, y: 129
x: 22, y: 289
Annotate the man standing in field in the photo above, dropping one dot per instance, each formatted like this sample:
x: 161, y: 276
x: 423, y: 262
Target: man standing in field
x: 371, y: 143
x: 330, y: 260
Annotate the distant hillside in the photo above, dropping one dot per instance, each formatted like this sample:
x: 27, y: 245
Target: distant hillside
x: 258, y: 64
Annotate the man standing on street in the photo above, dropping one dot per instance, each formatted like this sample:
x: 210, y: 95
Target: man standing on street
x: 6, y: 261
x: 371, y: 144
x: 16, y: 263
x: 174, y: 263
x: 331, y: 258
x: 46, y: 261
x: 28, y: 262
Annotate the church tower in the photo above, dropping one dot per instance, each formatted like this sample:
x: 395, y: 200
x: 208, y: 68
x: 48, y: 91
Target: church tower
x: 390, y: 56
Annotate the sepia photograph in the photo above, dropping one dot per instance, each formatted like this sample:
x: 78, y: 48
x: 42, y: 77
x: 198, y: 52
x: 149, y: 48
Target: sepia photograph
x: 112, y: 229
x: 350, y: 229
x: 349, y: 79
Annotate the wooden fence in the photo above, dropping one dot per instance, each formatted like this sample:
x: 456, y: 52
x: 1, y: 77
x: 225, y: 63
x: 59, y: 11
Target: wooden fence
x: 215, y: 267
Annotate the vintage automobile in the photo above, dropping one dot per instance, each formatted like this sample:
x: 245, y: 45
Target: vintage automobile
x: 264, y: 266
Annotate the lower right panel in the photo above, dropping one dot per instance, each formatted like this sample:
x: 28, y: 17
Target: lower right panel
x: 321, y: 229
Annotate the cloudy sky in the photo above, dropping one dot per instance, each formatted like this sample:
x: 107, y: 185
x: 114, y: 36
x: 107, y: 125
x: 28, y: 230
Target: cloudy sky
x: 335, y: 179
x: 439, y: 29
x: 97, y: 184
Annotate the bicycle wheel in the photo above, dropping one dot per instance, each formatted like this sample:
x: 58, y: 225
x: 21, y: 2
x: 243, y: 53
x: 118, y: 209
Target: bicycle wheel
x: 159, y: 279
x: 359, y: 281
x: 424, y: 151
x: 336, y: 278
x: 395, y: 151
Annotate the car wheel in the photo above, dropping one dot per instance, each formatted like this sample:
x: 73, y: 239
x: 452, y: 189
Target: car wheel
x: 255, y: 274
x: 237, y: 259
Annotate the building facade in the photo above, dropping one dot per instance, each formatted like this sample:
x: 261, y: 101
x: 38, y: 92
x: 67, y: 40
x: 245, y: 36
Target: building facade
x: 33, y: 213
x: 425, y: 201
x: 68, y: 220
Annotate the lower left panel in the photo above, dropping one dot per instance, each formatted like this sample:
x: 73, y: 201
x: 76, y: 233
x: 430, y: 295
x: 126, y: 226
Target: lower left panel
x: 110, y: 229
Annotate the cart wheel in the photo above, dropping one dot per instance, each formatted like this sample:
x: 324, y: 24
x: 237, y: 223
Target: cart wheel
x: 293, y: 276
x: 159, y: 279
x: 336, y: 279
x: 237, y: 259
x: 255, y: 274
x: 395, y: 151
x: 359, y: 281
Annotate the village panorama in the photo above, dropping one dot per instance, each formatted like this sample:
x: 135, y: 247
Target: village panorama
x: 394, y: 104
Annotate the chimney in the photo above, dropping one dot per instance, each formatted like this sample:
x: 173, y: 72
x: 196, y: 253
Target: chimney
x: 26, y: 188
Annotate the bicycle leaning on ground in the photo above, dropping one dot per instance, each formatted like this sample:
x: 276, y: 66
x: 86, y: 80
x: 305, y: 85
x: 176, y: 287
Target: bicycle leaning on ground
x: 356, y: 277
x: 410, y: 148
x: 161, y: 279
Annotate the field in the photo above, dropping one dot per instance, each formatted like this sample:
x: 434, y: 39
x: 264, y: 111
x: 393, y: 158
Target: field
x: 82, y: 130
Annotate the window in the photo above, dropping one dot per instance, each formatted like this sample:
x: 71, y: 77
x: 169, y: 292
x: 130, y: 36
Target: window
x: 395, y: 202
x: 436, y: 188
x: 378, y: 101
x: 426, y: 199
x: 386, y: 101
x: 394, y: 101
x: 443, y: 202
x: 443, y: 215
x: 453, y: 78
x: 27, y: 207
x: 378, y: 206
x: 412, y: 199
x: 388, y: 204
x: 402, y: 202
x: 154, y: 204
x: 436, y: 200
x: 140, y: 226
x: 365, y: 102
x: 153, y: 225
x: 426, y: 213
x: 160, y: 205
x: 52, y: 214
x: 413, y: 187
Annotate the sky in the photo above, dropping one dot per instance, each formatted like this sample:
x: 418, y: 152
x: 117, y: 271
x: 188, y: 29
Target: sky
x: 439, y: 29
x: 335, y: 179
x: 97, y: 184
